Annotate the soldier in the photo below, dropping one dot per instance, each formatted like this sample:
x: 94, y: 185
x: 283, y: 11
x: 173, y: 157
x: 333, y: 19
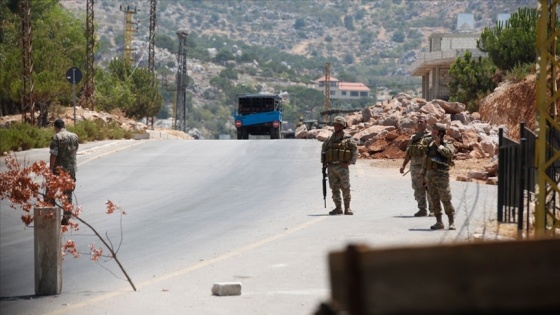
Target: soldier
x: 338, y: 152
x: 415, y: 152
x: 435, y: 173
x: 63, y: 148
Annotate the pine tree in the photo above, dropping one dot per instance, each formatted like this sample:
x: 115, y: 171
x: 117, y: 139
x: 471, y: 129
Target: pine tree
x: 513, y: 42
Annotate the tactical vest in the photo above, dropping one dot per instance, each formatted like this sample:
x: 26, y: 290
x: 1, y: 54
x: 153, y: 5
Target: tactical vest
x: 339, y: 151
x: 417, y: 147
x: 435, y: 160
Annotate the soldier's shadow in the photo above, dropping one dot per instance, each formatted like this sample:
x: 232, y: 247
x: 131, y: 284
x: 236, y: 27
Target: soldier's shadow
x: 421, y: 230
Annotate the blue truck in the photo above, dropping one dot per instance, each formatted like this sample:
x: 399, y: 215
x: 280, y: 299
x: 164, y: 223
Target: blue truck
x: 258, y: 115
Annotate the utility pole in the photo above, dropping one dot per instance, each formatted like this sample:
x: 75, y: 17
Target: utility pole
x: 327, y: 91
x: 89, y: 88
x: 182, y: 83
x: 151, y: 48
x: 128, y: 30
x: 547, y: 153
x: 27, y: 100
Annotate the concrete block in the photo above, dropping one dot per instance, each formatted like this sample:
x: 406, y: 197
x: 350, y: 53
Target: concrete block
x: 226, y: 288
x: 141, y: 136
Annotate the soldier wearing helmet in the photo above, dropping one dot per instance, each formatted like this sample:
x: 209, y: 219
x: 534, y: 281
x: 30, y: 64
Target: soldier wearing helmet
x: 435, y: 173
x: 338, y: 152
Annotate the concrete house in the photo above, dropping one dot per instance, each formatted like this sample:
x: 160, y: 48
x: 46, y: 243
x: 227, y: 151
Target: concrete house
x: 444, y: 48
x: 344, y: 90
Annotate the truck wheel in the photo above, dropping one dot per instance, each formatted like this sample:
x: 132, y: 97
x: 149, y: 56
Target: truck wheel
x: 242, y: 133
x: 274, y: 133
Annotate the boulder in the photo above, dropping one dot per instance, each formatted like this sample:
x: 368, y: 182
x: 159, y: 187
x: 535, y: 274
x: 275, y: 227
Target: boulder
x: 369, y: 133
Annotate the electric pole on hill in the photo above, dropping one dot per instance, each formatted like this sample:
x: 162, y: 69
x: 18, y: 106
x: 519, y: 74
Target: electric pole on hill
x: 547, y: 120
x: 151, y: 47
x: 128, y: 30
x: 27, y: 101
x: 182, y: 83
x: 327, y: 91
x: 89, y: 88
x: 151, y: 50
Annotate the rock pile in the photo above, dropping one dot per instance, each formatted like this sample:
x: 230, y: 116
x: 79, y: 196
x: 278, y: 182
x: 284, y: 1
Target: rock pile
x: 384, y: 129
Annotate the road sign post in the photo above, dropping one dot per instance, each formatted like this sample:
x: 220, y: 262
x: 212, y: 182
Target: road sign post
x: 74, y: 75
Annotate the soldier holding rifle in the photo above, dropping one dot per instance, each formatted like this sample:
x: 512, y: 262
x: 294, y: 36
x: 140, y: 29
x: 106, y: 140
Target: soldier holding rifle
x: 415, y: 152
x: 338, y: 152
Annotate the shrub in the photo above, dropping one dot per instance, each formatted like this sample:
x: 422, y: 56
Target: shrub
x: 21, y: 136
x: 24, y: 136
x: 520, y: 71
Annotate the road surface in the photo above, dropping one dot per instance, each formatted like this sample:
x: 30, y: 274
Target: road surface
x: 208, y: 211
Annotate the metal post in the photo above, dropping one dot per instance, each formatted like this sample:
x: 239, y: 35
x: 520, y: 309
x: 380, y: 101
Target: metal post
x: 74, y: 95
x: 501, y: 175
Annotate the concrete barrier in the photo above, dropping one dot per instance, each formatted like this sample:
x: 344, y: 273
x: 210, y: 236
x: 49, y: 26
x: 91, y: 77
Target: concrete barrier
x: 518, y: 277
x: 141, y: 136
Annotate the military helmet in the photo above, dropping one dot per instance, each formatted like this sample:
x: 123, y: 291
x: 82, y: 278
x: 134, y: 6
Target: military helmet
x: 340, y: 120
x: 440, y: 127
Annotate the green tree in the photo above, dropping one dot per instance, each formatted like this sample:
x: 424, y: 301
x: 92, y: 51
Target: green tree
x: 299, y: 24
x: 165, y: 41
x: 513, y: 42
x: 224, y: 55
x: 132, y: 90
x: 58, y: 44
x: 398, y: 36
x: 304, y: 100
x: 349, y: 23
x: 470, y: 80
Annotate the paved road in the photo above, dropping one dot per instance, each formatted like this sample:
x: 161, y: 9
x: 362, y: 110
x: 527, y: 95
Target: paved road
x: 201, y: 212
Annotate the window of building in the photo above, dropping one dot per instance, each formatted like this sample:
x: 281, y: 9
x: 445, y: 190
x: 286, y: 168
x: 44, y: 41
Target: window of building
x: 343, y: 93
x: 354, y: 93
x: 363, y: 94
x: 333, y: 93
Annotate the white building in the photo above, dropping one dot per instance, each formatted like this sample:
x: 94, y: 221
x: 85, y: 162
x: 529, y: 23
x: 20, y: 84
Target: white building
x: 344, y: 90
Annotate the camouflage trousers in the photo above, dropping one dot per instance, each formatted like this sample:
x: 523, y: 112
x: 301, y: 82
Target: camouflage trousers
x: 339, y: 181
x: 420, y: 192
x: 439, y: 192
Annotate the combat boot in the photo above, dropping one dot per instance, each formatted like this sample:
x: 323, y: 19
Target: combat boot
x: 451, y: 222
x: 347, y: 209
x: 336, y: 210
x: 439, y: 224
x: 421, y: 213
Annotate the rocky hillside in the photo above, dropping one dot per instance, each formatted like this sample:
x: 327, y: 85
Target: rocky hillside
x: 368, y: 40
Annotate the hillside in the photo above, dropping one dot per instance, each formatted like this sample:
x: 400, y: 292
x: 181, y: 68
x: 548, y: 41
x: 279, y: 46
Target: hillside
x: 373, y: 42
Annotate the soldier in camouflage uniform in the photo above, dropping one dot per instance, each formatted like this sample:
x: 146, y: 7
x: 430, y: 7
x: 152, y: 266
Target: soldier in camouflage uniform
x: 415, y: 153
x: 63, y: 148
x: 435, y: 173
x: 338, y: 152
